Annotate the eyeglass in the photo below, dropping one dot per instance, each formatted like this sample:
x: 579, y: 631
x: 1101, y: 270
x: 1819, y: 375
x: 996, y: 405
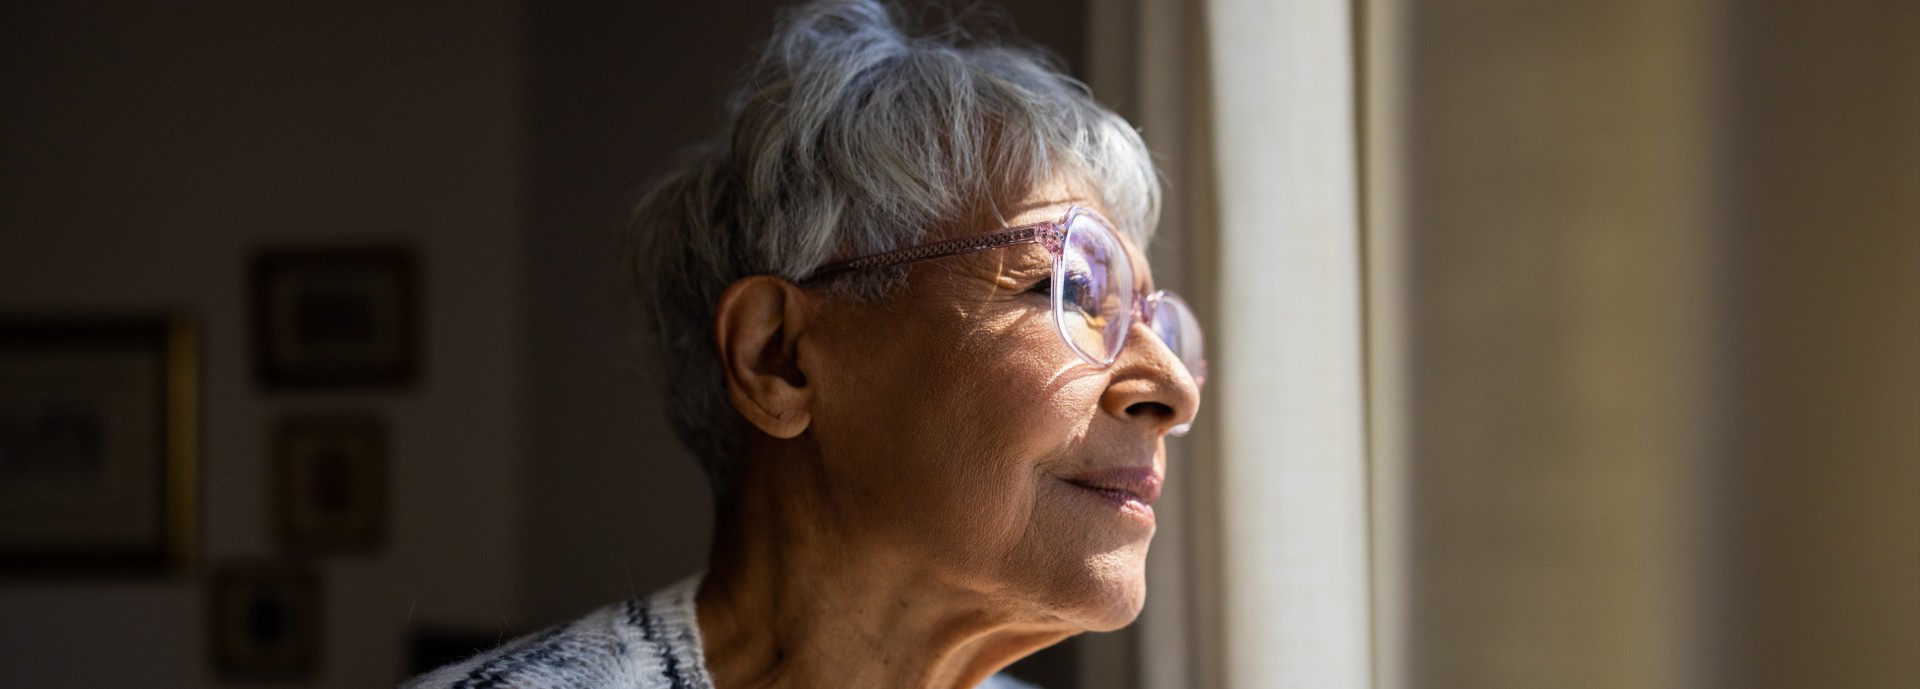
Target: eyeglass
x: 1095, y: 302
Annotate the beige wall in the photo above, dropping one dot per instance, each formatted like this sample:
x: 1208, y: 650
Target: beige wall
x: 1646, y: 308
x: 145, y: 149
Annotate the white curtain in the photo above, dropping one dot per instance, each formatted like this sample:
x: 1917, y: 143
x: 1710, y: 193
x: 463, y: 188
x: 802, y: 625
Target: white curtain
x: 1260, y: 576
x: 1292, y: 446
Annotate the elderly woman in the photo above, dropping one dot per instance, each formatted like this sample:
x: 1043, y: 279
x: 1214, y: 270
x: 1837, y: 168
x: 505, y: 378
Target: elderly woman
x: 908, y: 327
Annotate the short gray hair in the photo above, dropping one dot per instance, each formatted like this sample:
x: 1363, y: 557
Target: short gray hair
x: 848, y: 137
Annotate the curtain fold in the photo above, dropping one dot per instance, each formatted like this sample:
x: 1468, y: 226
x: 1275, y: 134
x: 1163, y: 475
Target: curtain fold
x: 1260, y: 579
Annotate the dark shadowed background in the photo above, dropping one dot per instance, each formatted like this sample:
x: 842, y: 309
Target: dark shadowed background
x: 147, y: 152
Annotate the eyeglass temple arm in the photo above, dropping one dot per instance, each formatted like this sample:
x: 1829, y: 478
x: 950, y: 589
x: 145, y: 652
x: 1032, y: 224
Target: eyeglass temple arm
x: 1045, y: 233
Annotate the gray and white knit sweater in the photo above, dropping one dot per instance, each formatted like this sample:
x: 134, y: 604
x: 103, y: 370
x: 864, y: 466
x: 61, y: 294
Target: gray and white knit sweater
x: 644, y: 643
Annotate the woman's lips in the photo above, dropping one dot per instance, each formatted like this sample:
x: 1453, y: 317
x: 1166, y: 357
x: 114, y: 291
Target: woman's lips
x: 1132, y: 489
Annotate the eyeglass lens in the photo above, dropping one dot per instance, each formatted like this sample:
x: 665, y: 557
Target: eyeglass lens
x: 1095, y: 291
x: 1093, y: 300
x: 1176, y: 325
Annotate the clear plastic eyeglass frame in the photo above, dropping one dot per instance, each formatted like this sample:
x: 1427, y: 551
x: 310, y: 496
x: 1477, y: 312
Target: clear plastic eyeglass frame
x: 1164, y: 312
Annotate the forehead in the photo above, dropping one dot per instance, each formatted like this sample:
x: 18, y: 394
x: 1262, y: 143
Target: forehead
x: 1048, y: 202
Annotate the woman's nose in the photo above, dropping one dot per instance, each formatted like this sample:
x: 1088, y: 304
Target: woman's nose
x: 1150, y: 386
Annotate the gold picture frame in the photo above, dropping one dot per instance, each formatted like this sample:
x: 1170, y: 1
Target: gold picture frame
x: 99, y: 444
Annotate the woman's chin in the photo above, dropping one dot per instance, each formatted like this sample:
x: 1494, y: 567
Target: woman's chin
x: 1117, y: 612
x: 1116, y: 590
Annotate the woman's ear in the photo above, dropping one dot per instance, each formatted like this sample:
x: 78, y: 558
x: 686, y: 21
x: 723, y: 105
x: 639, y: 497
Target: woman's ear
x: 757, y: 325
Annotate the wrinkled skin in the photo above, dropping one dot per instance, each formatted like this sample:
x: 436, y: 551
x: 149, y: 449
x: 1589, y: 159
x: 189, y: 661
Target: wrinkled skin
x: 908, y: 514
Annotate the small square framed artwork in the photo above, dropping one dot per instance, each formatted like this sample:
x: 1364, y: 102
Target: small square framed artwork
x: 98, y: 444
x: 335, y: 317
x: 264, y: 620
x: 330, y: 480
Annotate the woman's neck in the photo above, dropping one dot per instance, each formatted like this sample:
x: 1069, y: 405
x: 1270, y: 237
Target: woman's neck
x: 788, y: 601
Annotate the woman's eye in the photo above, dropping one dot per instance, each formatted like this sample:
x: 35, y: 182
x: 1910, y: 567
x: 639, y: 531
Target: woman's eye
x: 1076, y: 294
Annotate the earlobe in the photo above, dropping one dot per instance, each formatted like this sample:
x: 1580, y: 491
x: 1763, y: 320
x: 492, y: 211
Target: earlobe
x: 757, y: 326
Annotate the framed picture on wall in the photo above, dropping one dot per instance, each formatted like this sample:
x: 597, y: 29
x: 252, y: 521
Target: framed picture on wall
x: 330, y: 480
x: 98, y: 434
x: 264, y: 620
x: 335, y: 318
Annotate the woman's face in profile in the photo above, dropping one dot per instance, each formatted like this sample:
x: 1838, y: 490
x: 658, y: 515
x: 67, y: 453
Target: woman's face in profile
x: 972, y: 445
